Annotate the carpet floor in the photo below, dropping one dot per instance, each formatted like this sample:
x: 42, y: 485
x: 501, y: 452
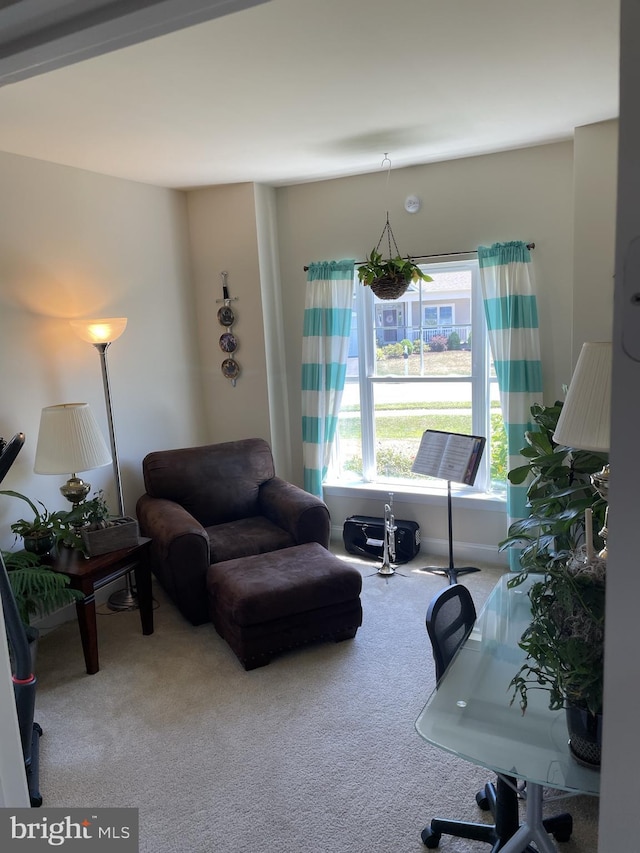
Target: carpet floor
x: 316, y: 751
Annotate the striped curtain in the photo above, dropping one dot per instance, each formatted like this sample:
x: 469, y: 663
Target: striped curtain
x: 325, y: 345
x: 512, y: 320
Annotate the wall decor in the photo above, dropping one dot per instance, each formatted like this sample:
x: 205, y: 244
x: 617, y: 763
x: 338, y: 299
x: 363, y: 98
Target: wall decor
x: 228, y: 341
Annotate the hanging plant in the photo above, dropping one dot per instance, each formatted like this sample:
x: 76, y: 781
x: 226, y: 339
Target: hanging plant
x: 389, y: 278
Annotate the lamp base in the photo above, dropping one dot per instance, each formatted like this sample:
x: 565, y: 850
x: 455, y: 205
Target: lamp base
x: 123, y: 599
x: 75, y: 490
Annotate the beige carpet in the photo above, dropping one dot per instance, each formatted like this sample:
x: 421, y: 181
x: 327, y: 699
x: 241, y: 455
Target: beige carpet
x: 316, y: 751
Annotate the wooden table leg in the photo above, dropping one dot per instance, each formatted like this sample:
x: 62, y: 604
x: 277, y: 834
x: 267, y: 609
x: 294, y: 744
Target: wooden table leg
x: 86, y: 611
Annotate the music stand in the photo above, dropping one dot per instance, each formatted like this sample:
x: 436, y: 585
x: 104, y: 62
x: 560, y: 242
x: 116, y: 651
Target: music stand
x: 450, y: 456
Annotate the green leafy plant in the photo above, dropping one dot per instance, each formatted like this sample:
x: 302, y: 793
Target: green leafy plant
x: 558, y: 493
x: 565, y: 640
x: 453, y: 341
x: 398, y: 268
x: 92, y: 514
x: 44, y: 523
x: 37, y: 589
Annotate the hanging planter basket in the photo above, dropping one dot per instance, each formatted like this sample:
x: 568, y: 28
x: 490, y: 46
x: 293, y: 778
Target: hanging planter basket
x: 389, y: 278
x: 389, y: 287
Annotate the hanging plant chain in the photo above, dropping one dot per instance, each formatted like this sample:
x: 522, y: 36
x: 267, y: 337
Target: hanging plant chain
x: 390, y: 237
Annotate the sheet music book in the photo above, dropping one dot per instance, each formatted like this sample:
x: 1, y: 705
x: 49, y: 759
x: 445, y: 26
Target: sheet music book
x: 449, y: 456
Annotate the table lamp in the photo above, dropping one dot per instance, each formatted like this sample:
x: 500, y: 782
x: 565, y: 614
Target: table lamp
x: 102, y: 333
x: 69, y: 440
x: 584, y: 421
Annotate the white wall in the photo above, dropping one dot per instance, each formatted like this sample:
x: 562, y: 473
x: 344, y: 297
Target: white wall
x: 517, y: 195
x: 76, y: 244
x: 594, y: 227
x: 619, y: 826
x: 222, y: 225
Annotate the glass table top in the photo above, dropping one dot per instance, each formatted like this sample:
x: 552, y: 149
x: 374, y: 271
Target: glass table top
x: 470, y: 713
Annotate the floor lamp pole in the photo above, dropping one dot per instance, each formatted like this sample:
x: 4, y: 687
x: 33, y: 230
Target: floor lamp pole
x: 102, y: 349
x: 122, y: 599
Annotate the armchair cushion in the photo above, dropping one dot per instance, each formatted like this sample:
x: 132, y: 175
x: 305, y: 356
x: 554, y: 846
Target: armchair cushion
x: 215, y: 503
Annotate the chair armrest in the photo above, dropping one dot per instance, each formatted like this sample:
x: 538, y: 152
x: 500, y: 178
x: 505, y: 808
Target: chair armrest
x: 179, y: 554
x: 165, y: 521
x: 303, y: 515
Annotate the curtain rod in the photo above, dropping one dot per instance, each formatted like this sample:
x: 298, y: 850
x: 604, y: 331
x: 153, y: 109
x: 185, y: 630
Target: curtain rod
x: 438, y: 255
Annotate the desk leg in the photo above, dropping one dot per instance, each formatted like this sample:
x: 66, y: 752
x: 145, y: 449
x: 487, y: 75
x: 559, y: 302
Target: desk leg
x: 533, y: 828
x: 142, y: 572
x: 86, y: 612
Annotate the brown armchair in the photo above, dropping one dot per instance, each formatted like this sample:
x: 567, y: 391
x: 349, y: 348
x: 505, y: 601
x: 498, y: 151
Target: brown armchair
x: 210, y: 504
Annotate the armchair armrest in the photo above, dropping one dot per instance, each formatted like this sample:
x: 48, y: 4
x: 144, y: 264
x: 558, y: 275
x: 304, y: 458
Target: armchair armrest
x: 164, y: 521
x: 179, y: 553
x: 303, y: 515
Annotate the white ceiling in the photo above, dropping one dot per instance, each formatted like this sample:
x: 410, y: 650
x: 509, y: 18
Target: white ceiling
x: 297, y: 90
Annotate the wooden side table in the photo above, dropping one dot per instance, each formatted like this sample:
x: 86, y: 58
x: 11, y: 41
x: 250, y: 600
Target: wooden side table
x: 89, y: 575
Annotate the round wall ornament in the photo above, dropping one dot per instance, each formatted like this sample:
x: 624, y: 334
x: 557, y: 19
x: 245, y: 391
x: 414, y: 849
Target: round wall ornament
x: 226, y: 317
x: 230, y: 368
x: 228, y: 342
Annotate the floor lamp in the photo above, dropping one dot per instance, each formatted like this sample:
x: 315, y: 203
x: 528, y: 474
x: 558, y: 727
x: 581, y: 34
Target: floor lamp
x: 102, y: 333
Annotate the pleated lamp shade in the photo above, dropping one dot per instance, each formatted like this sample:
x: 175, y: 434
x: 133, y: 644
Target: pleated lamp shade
x: 69, y: 440
x: 584, y: 421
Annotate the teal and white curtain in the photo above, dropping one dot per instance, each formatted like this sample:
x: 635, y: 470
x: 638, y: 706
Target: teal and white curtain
x: 325, y: 346
x: 512, y: 318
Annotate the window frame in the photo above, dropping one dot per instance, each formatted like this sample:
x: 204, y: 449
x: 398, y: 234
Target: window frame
x: 480, y: 379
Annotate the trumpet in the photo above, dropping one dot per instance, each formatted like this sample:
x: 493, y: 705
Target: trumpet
x: 389, y: 545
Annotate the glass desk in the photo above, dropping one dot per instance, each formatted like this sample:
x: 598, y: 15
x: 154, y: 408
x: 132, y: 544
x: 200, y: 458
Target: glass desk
x: 470, y: 715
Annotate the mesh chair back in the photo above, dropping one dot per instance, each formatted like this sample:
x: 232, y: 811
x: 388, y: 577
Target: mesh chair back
x: 450, y: 618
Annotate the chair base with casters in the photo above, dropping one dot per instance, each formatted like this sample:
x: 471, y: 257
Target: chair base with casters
x: 502, y: 801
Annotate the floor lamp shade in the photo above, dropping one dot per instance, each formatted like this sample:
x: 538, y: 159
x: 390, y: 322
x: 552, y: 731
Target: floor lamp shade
x: 69, y: 440
x: 103, y: 331
x: 584, y: 421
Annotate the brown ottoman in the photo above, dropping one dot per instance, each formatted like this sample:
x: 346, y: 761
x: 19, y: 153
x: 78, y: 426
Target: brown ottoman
x: 268, y: 603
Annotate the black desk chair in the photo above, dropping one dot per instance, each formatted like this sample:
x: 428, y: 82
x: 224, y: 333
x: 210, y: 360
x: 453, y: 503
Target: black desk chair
x: 451, y: 616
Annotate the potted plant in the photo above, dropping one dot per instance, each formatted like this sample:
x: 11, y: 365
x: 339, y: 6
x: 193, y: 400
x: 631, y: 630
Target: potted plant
x: 39, y: 534
x: 558, y: 494
x: 565, y: 648
x: 37, y: 589
x: 565, y: 640
x: 91, y: 528
x: 389, y: 278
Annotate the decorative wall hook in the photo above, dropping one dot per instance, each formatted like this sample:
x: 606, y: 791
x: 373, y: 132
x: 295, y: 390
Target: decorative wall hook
x: 228, y: 341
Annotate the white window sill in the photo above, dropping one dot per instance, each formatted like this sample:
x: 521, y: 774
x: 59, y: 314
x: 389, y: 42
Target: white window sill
x: 462, y: 496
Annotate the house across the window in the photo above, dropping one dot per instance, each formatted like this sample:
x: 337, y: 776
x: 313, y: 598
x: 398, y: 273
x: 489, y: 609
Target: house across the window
x: 427, y: 310
x: 415, y: 363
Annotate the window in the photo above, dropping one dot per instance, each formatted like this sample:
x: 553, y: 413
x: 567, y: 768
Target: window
x: 438, y: 315
x: 418, y: 362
